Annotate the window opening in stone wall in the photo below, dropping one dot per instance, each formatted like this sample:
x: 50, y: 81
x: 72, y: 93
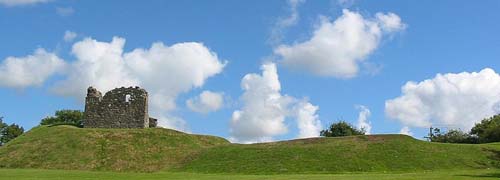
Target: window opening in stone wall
x: 127, y: 98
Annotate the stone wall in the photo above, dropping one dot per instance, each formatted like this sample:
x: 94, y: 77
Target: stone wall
x: 153, y: 122
x: 118, y: 108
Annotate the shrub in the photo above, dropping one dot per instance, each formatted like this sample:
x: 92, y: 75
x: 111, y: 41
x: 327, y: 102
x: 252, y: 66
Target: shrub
x: 67, y: 117
x: 341, y: 128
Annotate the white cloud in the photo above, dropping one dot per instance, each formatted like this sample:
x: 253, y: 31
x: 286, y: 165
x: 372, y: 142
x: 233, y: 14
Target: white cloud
x: 406, y: 131
x: 165, y: 71
x: 337, y: 48
x: 11, y: 3
x: 170, y: 121
x: 390, y: 22
x: 31, y: 70
x: 98, y: 64
x: 69, y: 36
x: 451, y: 100
x: 207, y: 101
x: 307, y: 120
x: 264, y: 110
x: 363, y: 122
x: 294, y: 14
x: 65, y: 11
x: 285, y: 22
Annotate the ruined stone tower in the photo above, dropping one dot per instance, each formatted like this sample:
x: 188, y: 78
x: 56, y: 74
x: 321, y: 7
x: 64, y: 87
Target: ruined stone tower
x: 118, y: 108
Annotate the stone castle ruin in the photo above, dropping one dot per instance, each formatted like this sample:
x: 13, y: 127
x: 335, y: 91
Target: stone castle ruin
x: 118, y: 108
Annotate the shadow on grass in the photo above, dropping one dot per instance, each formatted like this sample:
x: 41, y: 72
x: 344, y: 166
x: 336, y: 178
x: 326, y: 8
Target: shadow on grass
x: 486, y: 175
x: 495, y: 157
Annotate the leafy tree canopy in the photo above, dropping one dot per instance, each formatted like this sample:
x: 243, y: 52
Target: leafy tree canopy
x: 488, y: 130
x: 452, y: 136
x: 69, y: 117
x: 341, y: 128
x: 2, y: 124
x: 9, y: 132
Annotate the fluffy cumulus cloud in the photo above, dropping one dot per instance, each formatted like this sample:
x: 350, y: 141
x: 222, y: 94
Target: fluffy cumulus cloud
x: 165, y: 71
x: 11, y: 3
x: 207, y: 101
x: 307, y: 119
x: 363, y: 122
x: 390, y: 22
x: 452, y: 100
x: 98, y: 64
x: 31, y: 70
x: 337, y: 48
x: 265, y: 110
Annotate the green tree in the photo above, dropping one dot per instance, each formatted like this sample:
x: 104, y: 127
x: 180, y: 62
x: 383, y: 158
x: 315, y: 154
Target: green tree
x: 453, y: 136
x: 341, y: 128
x: 69, y: 117
x: 9, y: 132
x: 2, y: 124
x: 488, y: 130
x: 2, y: 127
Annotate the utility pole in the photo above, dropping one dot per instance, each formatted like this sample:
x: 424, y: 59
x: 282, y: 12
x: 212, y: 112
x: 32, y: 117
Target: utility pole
x: 430, y: 135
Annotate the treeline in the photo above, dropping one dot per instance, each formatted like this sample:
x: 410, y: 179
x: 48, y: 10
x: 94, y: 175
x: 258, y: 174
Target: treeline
x: 9, y: 132
x: 486, y: 131
x: 61, y: 117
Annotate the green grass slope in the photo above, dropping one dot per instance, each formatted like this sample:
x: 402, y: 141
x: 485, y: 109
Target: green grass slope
x: 147, y: 150
x: 67, y: 147
x: 374, y: 153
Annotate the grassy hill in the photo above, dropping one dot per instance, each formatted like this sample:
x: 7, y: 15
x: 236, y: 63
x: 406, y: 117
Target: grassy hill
x: 374, y: 153
x: 65, y: 147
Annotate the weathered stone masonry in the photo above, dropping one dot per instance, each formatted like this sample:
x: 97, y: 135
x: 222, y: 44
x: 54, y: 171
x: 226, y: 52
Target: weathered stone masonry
x: 118, y: 108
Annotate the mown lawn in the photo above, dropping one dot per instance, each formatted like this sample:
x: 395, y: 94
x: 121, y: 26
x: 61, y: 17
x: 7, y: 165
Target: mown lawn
x: 36, y: 174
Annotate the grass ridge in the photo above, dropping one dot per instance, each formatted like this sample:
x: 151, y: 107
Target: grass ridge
x: 158, y: 149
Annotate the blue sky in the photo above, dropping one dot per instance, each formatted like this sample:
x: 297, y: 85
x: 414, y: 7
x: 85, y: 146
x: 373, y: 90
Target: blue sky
x: 432, y: 37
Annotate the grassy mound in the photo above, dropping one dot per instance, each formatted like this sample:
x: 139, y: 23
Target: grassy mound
x: 374, y: 153
x: 146, y: 150
x: 68, y: 147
